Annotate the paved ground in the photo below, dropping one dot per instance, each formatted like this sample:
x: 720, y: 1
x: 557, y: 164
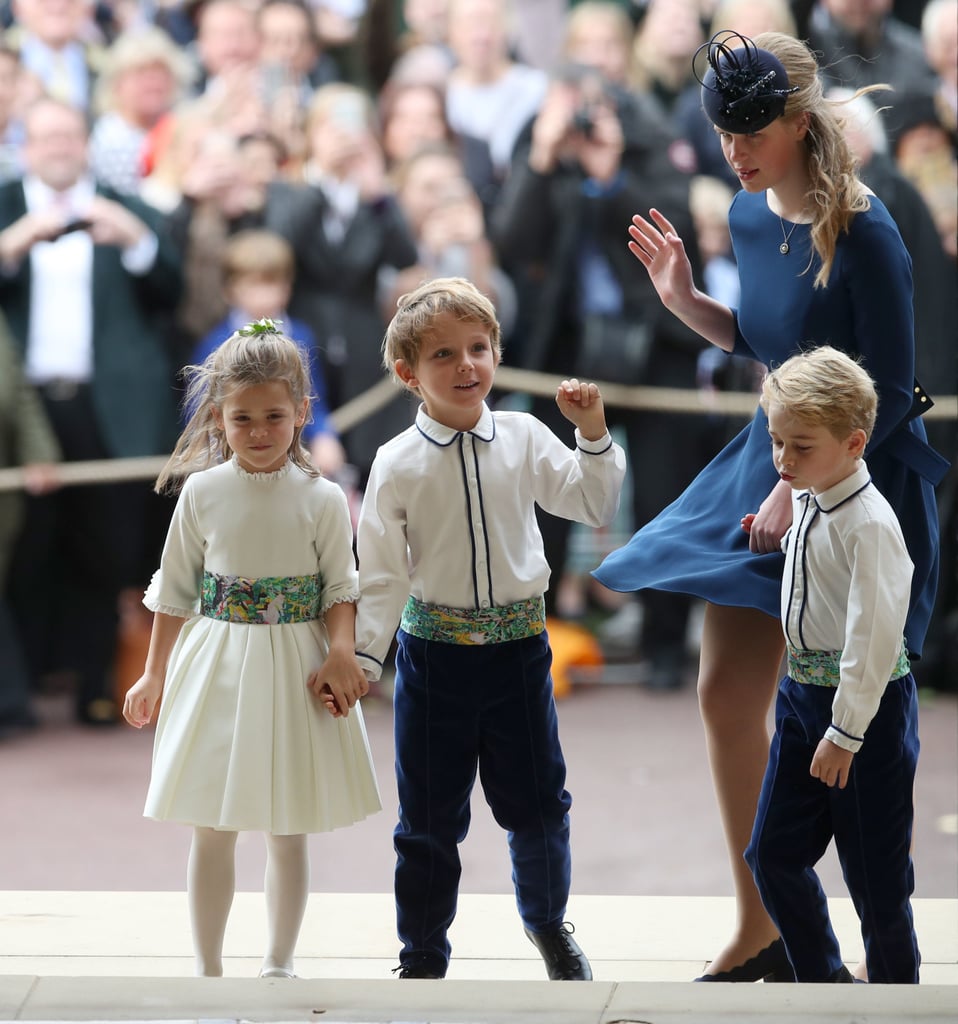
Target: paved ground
x: 644, y: 820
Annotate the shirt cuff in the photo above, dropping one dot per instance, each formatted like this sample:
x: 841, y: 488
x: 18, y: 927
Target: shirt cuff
x: 138, y: 259
x: 370, y: 665
x: 593, y: 447
x: 843, y: 740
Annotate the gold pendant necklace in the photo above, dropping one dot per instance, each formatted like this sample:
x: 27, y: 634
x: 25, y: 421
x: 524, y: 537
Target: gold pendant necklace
x: 785, y: 247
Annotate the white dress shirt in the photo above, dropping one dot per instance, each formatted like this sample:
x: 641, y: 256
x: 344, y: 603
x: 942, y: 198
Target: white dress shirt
x: 846, y: 588
x: 60, y: 337
x: 448, y: 517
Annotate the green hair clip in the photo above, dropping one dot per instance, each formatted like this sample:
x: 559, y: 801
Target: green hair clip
x: 264, y: 326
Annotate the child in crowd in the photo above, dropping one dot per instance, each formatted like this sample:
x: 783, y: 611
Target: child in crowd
x: 254, y: 611
x: 449, y: 549
x: 258, y: 272
x: 843, y: 758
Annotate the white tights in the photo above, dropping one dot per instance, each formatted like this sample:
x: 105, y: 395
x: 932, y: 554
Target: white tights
x: 211, y: 879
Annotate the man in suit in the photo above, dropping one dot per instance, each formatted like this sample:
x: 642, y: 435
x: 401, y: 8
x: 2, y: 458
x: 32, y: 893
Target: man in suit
x: 85, y: 277
x: 344, y: 225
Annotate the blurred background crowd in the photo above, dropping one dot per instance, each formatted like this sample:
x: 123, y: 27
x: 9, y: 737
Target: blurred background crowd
x: 170, y: 169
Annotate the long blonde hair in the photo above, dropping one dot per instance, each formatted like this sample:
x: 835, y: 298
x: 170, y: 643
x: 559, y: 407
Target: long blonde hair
x: 835, y: 192
x: 255, y: 354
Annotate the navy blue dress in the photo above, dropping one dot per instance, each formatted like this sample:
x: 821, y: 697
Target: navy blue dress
x: 696, y: 545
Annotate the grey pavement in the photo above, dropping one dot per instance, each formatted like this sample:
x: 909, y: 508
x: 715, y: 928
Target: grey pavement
x: 644, y: 820
x: 93, y: 919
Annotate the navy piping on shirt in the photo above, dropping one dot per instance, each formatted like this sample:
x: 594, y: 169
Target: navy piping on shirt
x: 482, y: 511
x: 854, y: 494
x: 802, y: 536
x: 604, y: 450
x: 857, y: 739
x: 801, y: 610
x: 472, y: 533
x: 485, y: 529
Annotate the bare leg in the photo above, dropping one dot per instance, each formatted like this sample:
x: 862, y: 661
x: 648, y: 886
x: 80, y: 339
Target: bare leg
x: 741, y: 656
x: 210, y: 882
x: 287, y: 889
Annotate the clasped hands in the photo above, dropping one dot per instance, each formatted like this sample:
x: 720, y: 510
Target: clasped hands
x: 339, y: 682
x: 106, y: 222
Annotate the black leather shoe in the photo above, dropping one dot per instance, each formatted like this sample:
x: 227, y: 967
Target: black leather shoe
x: 843, y: 976
x: 564, y: 960
x: 406, y: 971
x: 771, y: 964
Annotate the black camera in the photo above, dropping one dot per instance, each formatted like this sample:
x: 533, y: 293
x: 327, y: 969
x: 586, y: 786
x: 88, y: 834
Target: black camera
x: 71, y: 226
x: 583, y: 121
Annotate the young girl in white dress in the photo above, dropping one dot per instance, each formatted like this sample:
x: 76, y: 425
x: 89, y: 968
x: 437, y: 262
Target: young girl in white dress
x: 254, y: 609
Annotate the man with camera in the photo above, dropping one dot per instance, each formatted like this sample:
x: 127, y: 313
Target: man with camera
x: 594, y: 155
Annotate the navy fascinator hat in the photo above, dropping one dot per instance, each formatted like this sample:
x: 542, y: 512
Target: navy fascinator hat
x: 745, y: 88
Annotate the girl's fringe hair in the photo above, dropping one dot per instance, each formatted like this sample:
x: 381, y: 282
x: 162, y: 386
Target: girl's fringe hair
x: 256, y: 354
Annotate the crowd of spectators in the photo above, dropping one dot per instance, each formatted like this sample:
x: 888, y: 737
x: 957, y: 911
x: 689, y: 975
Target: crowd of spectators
x: 168, y: 167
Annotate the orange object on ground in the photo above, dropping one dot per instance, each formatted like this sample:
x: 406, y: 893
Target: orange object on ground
x: 572, y: 645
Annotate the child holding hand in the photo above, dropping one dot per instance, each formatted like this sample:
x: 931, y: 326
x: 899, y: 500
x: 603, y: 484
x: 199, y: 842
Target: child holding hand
x: 843, y: 758
x: 254, y: 612
x: 450, y: 551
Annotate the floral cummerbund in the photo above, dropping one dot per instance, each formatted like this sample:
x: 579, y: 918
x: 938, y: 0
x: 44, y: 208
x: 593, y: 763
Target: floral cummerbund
x: 823, y: 668
x: 267, y: 600
x: 473, y: 627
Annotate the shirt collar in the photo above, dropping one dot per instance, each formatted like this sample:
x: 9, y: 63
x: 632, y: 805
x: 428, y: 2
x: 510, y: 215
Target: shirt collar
x: 74, y: 201
x: 440, y: 434
x: 839, y: 493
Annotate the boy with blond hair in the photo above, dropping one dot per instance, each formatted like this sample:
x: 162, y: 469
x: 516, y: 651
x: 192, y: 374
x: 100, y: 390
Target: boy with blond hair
x: 449, y: 549
x: 843, y: 758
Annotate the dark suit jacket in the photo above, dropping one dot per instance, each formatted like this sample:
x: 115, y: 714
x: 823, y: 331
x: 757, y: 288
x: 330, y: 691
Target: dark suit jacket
x: 335, y: 293
x: 132, y: 369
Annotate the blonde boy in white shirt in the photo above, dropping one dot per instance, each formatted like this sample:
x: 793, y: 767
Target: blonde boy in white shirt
x: 843, y: 758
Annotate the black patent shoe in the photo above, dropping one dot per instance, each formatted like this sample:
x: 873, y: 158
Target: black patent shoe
x: 563, y: 958
x: 771, y: 964
x: 420, y: 971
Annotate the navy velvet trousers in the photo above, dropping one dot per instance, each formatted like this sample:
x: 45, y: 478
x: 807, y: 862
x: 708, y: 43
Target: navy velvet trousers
x: 459, y: 710
x: 870, y: 820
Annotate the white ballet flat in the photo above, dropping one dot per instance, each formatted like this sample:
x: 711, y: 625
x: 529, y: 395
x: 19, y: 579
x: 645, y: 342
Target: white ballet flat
x: 276, y: 972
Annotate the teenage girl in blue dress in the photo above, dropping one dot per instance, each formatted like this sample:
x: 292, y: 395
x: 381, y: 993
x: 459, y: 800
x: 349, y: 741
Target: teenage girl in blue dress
x: 820, y: 261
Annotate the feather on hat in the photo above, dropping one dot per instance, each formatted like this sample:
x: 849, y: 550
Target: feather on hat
x: 744, y: 89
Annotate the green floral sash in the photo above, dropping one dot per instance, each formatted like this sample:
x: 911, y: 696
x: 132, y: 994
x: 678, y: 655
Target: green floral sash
x: 467, y: 627
x: 267, y: 600
x: 823, y: 668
